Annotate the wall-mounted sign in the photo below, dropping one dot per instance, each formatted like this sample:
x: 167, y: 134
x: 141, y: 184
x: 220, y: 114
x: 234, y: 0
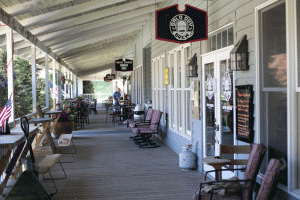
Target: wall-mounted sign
x: 244, y: 113
x: 181, y: 27
x: 109, y: 77
x: 124, y: 65
x: 166, y: 73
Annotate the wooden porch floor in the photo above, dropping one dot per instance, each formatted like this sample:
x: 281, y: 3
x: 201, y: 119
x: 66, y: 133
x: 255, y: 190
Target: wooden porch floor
x: 110, y: 166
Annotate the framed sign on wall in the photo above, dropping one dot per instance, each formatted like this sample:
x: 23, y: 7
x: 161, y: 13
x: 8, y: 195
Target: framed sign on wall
x: 244, y: 113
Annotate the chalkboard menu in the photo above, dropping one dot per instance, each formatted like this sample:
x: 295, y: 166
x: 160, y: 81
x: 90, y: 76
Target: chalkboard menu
x: 244, y: 113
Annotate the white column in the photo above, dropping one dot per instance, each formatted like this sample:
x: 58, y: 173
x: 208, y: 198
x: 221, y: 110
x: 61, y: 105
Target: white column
x: 33, y: 70
x: 65, y: 85
x: 80, y: 86
x: 54, y: 82
x: 47, y: 81
x: 10, y: 71
x: 59, y: 82
x: 76, y: 86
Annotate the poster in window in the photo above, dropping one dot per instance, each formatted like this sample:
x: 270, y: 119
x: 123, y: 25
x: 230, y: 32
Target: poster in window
x: 166, y: 76
x: 195, y: 100
x: 244, y: 113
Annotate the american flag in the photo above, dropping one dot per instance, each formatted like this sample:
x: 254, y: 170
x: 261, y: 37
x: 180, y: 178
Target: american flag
x: 54, y: 94
x: 5, y: 114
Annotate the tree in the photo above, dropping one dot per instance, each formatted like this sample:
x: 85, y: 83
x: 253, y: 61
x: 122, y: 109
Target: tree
x: 3, y: 79
x: 88, y: 87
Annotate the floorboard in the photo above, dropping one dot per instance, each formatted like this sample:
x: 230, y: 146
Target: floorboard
x: 109, y: 165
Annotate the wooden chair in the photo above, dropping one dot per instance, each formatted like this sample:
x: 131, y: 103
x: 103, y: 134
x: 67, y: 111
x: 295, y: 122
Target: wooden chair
x: 266, y: 191
x: 64, y: 141
x: 47, y: 162
x: 250, y: 172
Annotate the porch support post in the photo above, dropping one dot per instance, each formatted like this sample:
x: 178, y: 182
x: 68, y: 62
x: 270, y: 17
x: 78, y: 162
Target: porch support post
x: 47, y: 81
x: 54, y: 84
x: 10, y: 71
x: 59, y: 82
x: 33, y: 70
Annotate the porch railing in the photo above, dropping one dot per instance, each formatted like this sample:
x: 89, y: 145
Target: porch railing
x: 99, y: 96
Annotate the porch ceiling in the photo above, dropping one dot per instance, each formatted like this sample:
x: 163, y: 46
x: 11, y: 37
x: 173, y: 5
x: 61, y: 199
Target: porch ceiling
x: 86, y: 35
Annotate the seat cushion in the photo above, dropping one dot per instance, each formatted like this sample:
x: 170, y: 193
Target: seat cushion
x: 142, y: 130
x: 206, y: 196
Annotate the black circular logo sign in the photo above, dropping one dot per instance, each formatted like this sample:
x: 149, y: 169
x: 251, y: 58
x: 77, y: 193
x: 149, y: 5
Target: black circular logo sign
x: 182, y: 27
x: 178, y: 26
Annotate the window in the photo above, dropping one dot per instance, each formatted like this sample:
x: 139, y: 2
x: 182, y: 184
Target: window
x: 158, y: 65
x: 273, y: 78
x: 221, y: 38
x: 179, y: 98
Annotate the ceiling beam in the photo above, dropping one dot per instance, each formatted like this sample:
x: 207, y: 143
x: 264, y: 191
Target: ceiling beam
x: 16, y: 26
x: 32, y: 5
x: 98, y: 69
x: 94, y: 55
x: 100, y: 29
x: 66, y: 12
x: 116, y: 11
x: 100, y: 47
x: 100, y: 33
x: 79, y: 43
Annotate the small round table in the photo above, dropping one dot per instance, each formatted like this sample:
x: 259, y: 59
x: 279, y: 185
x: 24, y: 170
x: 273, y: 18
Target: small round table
x: 216, y: 163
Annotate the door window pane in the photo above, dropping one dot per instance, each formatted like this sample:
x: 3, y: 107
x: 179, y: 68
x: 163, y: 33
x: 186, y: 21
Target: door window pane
x: 227, y: 105
x: 210, y: 110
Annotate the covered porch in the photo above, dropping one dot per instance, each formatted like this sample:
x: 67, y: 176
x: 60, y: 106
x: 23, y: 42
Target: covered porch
x: 110, y: 166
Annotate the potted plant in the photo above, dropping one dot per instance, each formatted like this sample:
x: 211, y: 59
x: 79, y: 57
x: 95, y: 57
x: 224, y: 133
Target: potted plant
x: 66, y: 121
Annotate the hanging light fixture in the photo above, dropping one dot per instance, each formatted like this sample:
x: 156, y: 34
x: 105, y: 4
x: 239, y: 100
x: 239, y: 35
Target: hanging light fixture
x: 192, y: 67
x: 239, y: 55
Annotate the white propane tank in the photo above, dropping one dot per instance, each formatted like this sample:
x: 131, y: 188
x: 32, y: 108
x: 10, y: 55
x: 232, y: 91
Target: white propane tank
x: 187, y: 159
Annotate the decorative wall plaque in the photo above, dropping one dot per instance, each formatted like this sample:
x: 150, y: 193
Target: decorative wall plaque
x: 244, y: 113
x: 181, y: 27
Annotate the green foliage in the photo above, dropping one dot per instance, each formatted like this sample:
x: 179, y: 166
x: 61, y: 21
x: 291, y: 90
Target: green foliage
x: 3, y: 79
x: 88, y: 87
x: 101, y: 86
x: 23, y: 86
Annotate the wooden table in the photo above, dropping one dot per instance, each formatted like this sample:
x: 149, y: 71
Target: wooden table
x: 46, y: 125
x: 16, y: 140
x: 46, y: 122
x: 216, y: 163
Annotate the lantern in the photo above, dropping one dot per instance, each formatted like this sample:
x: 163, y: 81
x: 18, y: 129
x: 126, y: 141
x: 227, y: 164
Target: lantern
x: 239, y: 55
x: 191, y: 69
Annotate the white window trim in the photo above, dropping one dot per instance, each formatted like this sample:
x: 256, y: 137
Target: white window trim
x: 182, y: 131
x: 292, y: 131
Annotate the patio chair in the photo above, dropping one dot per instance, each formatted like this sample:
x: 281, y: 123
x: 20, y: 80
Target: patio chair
x: 253, y: 165
x: 64, y: 141
x: 266, y: 191
x: 145, y: 132
x: 146, y: 121
x: 46, y: 163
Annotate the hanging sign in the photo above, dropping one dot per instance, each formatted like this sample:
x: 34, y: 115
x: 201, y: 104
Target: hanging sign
x: 244, y: 113
x: 124, y: 65
x: 109, y: 77
x: 181, y: 27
